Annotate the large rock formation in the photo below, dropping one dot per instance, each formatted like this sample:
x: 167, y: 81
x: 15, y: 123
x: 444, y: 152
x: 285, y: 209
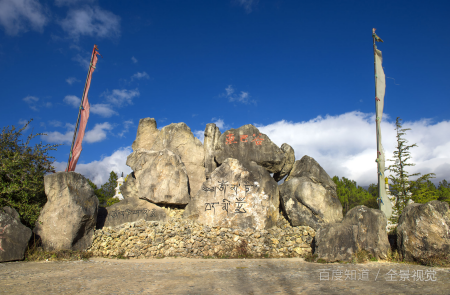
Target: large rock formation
x: 133, y: 209
x: 179, y: 139
x: 288, y: 164
x: 14, y: 236
x: 236, y: 196
x: 146, y: 134
x: 162, y: 178
x: 308, y: 196
x: 68, y: 219
x: 247, y: 144
x: 362, y: 229
x: 212, y: 135
x: 129, y: 188
x: 424, y: 231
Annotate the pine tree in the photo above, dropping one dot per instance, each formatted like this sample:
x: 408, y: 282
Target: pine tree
x: 401, y: 187
x: 108, y: 189
x: 351, y: 195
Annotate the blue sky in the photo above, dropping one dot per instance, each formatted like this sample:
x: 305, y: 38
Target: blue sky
x: 301, y: 71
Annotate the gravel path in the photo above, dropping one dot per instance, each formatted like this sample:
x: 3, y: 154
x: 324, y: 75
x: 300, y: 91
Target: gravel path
x: 219, y: 276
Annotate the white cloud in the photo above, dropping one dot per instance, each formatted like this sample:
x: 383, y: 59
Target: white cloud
x: 121, y: 97
x: 31, y: 101
x: 72, y: 80
x: 103, y: 110
x: 247, y: 4
x: 134, y: 60
x: 139, y: 76
x: 18, y: 16
x: 72, y: 100
x: 48, y: 104
x: 55, y: 123
x: 82, y: 61
x: 58, y: 137
x: 89, y: 21
x: 98, y: 171
x: 126, y: 127
x: 98, y: 133
x: 345, y: 145
x: 219, y: 123
x: 243, y: 96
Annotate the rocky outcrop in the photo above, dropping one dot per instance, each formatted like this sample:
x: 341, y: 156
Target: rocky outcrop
x: 236, y: 196
x: 162, y: 177
x: 179, y: 139
x: 68, y: 219
x: 133, y: 209
x: 363, y: 228
x: 308, y: 196
x: 288, y: 164
x: 424, y: 231
x: 212, y: 135
x: 14, y: 236
x: 247, y: 144
x: 146, y: 134
x: 129, y: 187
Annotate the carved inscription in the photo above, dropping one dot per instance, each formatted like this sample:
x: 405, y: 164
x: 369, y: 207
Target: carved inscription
x: 239, y: 202
x: 149, y: 213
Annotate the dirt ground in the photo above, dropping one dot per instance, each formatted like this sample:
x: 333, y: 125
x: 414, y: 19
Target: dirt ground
x: 219, y: 276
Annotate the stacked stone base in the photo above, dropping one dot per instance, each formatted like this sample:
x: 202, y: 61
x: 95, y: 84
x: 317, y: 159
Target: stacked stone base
x: 185, y: 238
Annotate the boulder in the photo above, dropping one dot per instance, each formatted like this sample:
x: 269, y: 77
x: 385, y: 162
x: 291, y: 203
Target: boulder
x: 129, y: 188
x: 309, y: 167
x: 212, y: 135
x: 14, y: 236
x: 424, y: 231
x: 164, y: 179
x: 68, y: 219
x: 133, y: 209
x: 247, y: 144
x: 363, y: 228
x: 288, y: 164
x: 146, y: 134
x: 236, y: 197
x: 179, y: 139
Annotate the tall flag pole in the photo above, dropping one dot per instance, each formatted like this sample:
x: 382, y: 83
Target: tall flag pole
x: 83, y: 113
x: 380, y: 88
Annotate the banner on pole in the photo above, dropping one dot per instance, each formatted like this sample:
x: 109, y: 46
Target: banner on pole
x: 84, y: 114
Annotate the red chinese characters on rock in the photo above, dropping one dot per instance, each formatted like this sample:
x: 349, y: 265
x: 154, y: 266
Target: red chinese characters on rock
x: 230, y: 138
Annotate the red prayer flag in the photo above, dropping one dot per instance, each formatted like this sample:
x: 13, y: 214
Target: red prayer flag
x: 84, y: 115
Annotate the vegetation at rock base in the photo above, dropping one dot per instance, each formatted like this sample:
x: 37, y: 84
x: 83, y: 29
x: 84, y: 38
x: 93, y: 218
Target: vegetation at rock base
x: 22, y: 173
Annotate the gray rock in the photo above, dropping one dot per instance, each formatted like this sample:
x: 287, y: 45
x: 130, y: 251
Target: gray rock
x: 14, y: 236
x: 133, y: 209
x: 306, y: 202
x: 288, y: 164
x: 236, y: 196
x: 68, y: 219
x: 164, y: 179
x: 363, y: 228
x: 177, y: 138
x: 212, y: 135
x: 308, y: 167
x: 129, y: 188
x: 424, y: 231
x: 247, y: 144
x: 146, y: 134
